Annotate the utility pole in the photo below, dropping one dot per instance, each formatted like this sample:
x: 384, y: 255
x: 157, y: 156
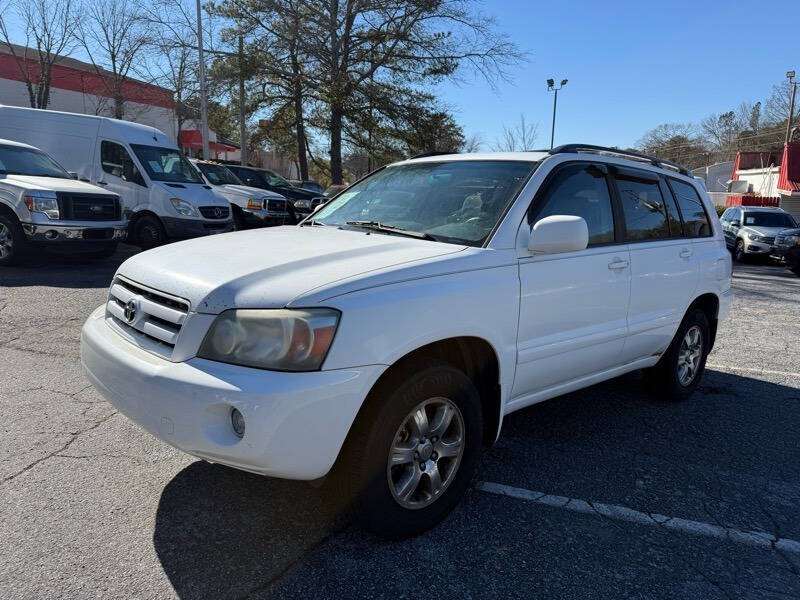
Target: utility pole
x: 552, y: 88
x: 242, y: 126
x: 202, y: 78
x: 790, y: 77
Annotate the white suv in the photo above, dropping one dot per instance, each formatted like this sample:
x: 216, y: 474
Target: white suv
x: 384, y: 340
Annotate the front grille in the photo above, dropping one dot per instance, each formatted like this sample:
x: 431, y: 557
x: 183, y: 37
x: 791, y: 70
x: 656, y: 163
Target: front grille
x: 152, y: 319
x: 780, y: 240
x: 215, y: 212
x: 768, y: 240
x: 276, y: 205
x: 81, y: 207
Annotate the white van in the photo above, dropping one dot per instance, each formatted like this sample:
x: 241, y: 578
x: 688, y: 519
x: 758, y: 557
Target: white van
x: 162, y: 194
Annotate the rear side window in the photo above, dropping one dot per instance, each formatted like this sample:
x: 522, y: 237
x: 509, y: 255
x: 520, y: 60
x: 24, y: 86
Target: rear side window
x: 695, y: 219
x: 643, y: 208
x: 115, y: 160
x: 673, y: 216
x: 581, y: 191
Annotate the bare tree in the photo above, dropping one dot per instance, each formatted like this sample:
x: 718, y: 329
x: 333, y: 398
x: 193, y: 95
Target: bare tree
x: 114, y: 34
x: 49, y: 26
x: 473, y: 143
x: 521, y: 136
x: 777, y: 107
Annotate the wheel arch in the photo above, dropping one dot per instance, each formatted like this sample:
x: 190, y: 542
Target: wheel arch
x: 709, y: 304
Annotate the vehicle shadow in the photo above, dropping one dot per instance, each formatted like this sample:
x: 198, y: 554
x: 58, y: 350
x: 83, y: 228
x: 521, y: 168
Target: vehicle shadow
x: 65, y: 270
x: 224, y: 533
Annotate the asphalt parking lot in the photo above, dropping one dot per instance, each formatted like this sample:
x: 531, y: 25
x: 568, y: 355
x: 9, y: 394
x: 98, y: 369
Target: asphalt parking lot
x: 604, y: 493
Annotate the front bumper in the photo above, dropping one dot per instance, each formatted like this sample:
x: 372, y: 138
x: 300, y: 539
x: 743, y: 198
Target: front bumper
x: 184, y: 229
x: 55, y: 233
x: 758, y: 248
x: 295, y: 423
x: 790, y: 254
x: 264, y: 218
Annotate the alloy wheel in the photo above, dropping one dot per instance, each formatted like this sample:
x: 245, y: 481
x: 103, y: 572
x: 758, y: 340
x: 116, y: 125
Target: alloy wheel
x: 426, y: 452
x: 690, y: 355
x: 6, y: 241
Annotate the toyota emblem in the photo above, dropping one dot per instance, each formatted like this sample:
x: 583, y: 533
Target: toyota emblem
x: 130, y: 311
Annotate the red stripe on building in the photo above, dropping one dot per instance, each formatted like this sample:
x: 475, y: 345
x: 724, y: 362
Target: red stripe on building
x: 85, y: 82
x: 789, y: 175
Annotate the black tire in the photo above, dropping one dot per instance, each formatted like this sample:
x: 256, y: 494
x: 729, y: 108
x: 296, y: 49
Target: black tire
x: 665, y: 377
x: 238, y: 220
x: 148, y: 232
x: 14, y: 246
x: 363, y: 472
x: 738, y: 251
x: 104, y: 251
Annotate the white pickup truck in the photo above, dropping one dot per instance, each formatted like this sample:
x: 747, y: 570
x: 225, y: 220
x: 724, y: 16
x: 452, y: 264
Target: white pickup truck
x: 384, y: 340
x: 41, y: 204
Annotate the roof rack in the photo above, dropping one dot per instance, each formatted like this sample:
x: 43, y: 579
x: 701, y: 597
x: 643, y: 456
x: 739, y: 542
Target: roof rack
x: 653, y: 160
x: 434, y: 153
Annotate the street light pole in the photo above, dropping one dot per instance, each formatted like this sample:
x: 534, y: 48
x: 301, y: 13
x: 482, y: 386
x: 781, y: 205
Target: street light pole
x: 790, y: 77
x: 202, y: 78
x: 552, y: 88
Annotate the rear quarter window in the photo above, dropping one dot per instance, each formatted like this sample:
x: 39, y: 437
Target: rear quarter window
x: 695, y: 219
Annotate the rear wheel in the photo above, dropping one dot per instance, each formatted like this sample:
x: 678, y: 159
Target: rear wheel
x: 149, y: 232
x: 14, y: 245
x: 413, y: 451
x: 680, y: 369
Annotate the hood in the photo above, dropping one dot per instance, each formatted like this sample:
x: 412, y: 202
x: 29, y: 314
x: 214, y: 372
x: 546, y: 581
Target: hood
x: 765, y: 231
x: 298, y: 193
x: 245, y: 191
x: 53, y: 184
x: 268, y: 268
x: 198, y: 194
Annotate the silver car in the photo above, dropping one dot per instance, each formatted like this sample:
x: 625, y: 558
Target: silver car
x: 751, y: 230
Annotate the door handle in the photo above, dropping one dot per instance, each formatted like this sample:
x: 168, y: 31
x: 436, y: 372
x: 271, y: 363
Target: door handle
x: 618, y: 264
x: 686, y: 253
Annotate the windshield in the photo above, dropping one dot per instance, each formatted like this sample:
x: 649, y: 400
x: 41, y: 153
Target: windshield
x: 274, y: 179
x: 218, y: 174
x: 769, y: 219
x: 17, y: 160
x: 459, y: 202
x: 166, y: 164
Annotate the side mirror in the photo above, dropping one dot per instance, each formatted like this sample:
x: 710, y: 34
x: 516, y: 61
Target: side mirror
x: 559, y: 233
x: 735, y: 224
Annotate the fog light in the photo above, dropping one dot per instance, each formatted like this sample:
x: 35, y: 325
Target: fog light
x: 237, y: 422
x: 51, y: 234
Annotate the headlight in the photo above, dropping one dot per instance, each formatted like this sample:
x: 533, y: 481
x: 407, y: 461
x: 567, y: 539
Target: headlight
x: 184, y: 208
x: 755, y: 238
x: 280, y: 340
x: 792, y: 240
x: 303, y: 204
x: 254, y: 204
x: 48, y: 206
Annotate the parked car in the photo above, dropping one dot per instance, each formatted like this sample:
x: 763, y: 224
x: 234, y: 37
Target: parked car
x: 334, y: 189
x: 162, y: 195
x: 41, y: 205
x: 383, y: 343
x: 302, y: 201
x: 307, y: 184
x: 787, y: 248
x: 252, y: 207
x: 750, y: 230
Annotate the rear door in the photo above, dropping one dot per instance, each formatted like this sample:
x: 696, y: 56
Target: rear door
x: 663, y: 270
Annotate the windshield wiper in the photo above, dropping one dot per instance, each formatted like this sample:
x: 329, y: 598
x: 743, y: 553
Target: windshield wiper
x: 376, y: 226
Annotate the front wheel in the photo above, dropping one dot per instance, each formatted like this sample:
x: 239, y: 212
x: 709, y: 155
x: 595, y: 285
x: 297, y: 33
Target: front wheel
x: 680, y: 369
x: 149, y: 233
x: 13, y: 243
x: 738, y: 251
x: 414, y: 451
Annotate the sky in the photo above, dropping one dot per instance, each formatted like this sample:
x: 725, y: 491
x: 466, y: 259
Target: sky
x: 630, y: 65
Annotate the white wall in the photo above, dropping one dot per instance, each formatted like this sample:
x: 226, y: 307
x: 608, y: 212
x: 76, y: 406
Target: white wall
x: 14, y: 93
x: 764, y: 182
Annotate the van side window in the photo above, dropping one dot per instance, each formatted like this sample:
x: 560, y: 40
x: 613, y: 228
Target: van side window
x: 694, y: 214
x: 581, y: 191
x: 116, y: 161
x: 644, y: 209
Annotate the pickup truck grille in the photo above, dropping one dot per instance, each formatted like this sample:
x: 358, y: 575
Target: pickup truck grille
x: 215, y: 212
x: 151, y: 319
x: 82, y: 207
x: 276, y: 205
